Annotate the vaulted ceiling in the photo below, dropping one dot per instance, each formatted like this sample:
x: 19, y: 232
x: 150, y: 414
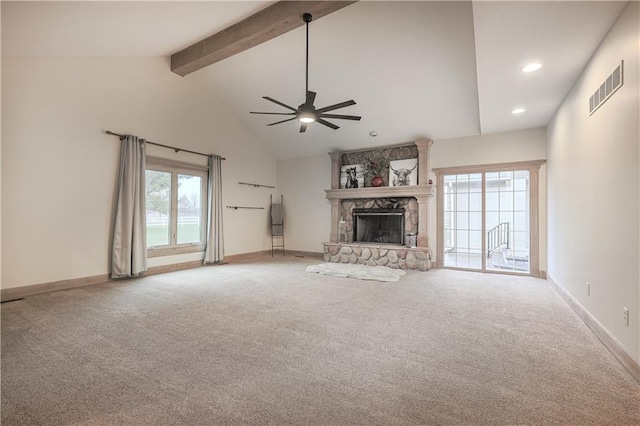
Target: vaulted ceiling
x: 416, y: 69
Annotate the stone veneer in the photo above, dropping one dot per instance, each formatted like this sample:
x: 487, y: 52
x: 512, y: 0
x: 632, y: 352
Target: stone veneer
x: 388, y: 154
x: 391, y: 256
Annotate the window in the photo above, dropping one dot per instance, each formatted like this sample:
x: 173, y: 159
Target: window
x: 176, y: 207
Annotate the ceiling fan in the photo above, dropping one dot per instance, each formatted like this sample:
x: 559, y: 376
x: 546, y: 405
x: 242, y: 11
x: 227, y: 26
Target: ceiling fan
x: 307, y: 112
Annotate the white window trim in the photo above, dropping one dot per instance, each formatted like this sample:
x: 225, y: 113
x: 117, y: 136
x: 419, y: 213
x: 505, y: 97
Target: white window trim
x: 179, y: 167
x: 534, y: 208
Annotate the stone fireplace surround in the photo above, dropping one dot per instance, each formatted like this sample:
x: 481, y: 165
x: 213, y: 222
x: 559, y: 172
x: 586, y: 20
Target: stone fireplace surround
x: 414, y: 198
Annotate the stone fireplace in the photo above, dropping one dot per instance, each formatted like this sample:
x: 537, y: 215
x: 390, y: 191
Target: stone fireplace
x: 369, y: 225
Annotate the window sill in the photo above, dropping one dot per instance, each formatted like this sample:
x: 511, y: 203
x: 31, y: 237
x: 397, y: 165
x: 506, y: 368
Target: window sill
x: 171, y: 251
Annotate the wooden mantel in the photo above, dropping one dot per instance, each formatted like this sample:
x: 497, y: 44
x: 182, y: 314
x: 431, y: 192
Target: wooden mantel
x: 422, y: 192
x: 380, y: 192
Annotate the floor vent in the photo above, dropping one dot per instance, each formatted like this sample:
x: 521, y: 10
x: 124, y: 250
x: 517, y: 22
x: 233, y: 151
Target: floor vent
x: 606, y: 89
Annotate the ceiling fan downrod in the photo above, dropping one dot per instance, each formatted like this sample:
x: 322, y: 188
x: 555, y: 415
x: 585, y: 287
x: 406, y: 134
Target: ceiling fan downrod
x: 307, y: 18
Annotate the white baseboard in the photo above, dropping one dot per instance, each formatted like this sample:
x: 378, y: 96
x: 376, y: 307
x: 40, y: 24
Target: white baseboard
x: 609, y: 340
x: 246, y: 256
x: 267, y: 253
x: 300, y: 253
x: 29, y: 290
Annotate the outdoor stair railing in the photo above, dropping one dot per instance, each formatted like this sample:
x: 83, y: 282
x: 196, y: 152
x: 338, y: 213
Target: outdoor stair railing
x: 497, y: 237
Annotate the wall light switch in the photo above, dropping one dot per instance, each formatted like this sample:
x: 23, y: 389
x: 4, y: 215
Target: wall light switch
x: 625, y: 316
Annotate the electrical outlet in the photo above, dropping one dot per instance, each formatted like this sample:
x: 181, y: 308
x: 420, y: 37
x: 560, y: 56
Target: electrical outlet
x: 625, y: 316
x: 588, y: 288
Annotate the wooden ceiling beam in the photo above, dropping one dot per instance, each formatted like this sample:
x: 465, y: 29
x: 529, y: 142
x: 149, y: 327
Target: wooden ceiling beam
x: 264, y: 25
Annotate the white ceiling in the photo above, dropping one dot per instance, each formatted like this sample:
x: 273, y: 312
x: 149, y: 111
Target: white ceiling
x: 416, y: 69
x: 114, y: 28
x: 560, y: 35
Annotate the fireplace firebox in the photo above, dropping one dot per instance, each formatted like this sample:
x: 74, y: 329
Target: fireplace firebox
x: 377, y: 225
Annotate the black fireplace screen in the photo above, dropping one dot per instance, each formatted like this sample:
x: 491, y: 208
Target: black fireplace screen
x: 378, y: 226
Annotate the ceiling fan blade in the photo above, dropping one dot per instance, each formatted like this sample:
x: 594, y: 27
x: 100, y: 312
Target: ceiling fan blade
x: 303, y: 127
x: 326, y: 123
x: 311, y: 97
x: 336, y: 106
x: 340, y: 116
x: 279, y: 103
x: 274, y: 113
x: 283, y: 121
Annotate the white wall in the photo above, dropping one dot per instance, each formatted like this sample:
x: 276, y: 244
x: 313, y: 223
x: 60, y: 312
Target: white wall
x: 302, y: 182
x: 522, y: 145
x: 594, y: 186
x: 59, y: 169
x: 0, y: 161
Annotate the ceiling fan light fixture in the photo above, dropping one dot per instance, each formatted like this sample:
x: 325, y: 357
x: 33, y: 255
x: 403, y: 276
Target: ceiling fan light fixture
x: 306, y: 117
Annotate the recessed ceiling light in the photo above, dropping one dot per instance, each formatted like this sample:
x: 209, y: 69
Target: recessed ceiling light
x: 373, y: 133
x: 518, y: 111
x: 532, y: 67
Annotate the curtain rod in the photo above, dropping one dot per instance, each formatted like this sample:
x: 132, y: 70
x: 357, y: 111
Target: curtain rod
x: 109, y: 132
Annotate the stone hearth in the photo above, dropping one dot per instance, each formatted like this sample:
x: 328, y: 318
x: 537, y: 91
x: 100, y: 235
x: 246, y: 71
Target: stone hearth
x: 391, y: 256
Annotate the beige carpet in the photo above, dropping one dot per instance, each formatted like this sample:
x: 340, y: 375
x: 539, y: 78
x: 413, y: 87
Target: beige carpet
x: 269, y: 343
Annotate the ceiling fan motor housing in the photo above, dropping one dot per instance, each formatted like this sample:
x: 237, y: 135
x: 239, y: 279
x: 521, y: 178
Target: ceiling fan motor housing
x: 307, y: 108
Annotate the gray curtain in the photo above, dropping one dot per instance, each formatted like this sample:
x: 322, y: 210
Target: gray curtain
x: 129, y: 255
x: 215, y: 239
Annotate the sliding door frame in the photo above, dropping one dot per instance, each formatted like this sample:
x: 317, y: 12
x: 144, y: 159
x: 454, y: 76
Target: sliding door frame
x: 534, y: 206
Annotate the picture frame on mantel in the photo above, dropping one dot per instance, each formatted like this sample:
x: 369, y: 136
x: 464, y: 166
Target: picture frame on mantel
x: 352, y: 176
x: 403, y: 172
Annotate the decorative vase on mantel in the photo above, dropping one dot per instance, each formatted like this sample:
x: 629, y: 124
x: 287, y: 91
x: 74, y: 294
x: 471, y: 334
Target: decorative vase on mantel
x: 374, y: 166
x: 377, y: 181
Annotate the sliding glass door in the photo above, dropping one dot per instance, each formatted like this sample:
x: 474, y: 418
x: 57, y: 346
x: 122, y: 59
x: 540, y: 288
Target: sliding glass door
x: 463, y: 221
x: 485, y: 218
x: 507, y: 220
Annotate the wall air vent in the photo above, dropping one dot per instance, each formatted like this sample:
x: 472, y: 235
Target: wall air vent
x: 606, y: 89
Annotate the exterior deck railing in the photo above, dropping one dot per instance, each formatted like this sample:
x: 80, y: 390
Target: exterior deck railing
x: 497, y: 237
